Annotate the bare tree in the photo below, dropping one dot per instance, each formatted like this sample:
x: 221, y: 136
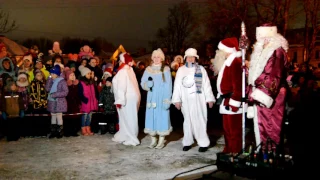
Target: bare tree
x: 5, y: 24
x: 312, y: 27
x: 180, y: 27
x: 274, y: 11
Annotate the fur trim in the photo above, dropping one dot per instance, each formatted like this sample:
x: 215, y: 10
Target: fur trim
x: 22, y: 84
x: 176, y: 59
x: 156, y: 71
x: 226, y: 49
x: 260, y: 56
x: 160, y: 133
x: 262, y: 97
x: 234, y: 103
x: 256, y: 127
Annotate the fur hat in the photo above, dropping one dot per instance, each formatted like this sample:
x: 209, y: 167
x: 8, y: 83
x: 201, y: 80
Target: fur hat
x: 177, y: 60
x: 230, y: 45
x: 22, y: 75
x: 158, y: 52
x: 266, y: 30
x: 191, y: 52
x: 84, y: 70
x: 55, y: 70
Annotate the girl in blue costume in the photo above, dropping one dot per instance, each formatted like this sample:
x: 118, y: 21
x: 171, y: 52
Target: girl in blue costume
x: 157, y: 81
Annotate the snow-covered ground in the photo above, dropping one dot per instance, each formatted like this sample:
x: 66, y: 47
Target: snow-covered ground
x: 97, y: 157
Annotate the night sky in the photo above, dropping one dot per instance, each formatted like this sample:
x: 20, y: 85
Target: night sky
x: 129, y: 22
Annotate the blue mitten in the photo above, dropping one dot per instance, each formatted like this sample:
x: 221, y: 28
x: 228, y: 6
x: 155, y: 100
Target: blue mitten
x: 21, y: 113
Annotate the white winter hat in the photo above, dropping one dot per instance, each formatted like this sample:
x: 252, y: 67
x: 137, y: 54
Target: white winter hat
x: 84, y: 70
x: 191, y: 52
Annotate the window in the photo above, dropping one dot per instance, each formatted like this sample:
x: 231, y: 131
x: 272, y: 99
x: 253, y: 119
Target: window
x: 317, y: 54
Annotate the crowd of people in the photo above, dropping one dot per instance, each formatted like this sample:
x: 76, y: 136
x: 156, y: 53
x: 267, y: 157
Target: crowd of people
x: 83, y: 85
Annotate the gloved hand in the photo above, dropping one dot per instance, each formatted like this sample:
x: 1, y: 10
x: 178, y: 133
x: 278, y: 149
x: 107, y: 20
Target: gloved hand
x: 21, y: 113
x: 150, y: 84
x: 118, y: 106
x: 166, y: 106
x: 178, y: 105
x: 233, y: 108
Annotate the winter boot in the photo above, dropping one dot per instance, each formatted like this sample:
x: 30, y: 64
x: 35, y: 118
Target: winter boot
x: 103, y: 129
x: 53, y: 131
x: 112, y: 128
x: 153, y: 142
x: 60, y: 131
x: 84, y: 131
x: 89, y: 130
x: 161, y: 142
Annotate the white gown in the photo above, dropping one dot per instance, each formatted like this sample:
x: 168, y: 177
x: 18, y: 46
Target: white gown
x: 126, y: 92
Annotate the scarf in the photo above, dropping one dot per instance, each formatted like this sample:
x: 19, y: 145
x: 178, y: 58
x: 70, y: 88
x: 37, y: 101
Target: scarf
x: 197, y: 75
x: 54, y: 88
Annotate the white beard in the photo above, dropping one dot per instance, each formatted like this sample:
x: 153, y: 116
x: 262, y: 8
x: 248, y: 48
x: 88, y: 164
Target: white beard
x: 218, y: 61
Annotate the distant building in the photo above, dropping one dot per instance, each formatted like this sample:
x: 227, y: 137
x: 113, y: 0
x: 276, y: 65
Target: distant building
x: 295, y: 38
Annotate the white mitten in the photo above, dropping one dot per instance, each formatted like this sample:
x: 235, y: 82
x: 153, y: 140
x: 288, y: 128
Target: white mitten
x: 150, y: 84
x: 250, y: 112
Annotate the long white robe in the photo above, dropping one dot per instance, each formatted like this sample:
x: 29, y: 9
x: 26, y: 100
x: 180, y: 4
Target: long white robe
x: 126, y: 92
x: 194, y: 108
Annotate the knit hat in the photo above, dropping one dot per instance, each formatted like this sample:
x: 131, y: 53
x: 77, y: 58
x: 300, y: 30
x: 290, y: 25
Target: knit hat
x: 191, y: 52
x: 55, y: 70
x: 230, y: 45
x: 67, y: 73
x: 84, y: 70
x: 158, y: 52
x: 266, y: 30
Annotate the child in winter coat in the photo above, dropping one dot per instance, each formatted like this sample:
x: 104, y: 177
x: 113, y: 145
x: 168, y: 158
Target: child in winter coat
x: 57, y: 103
x: 11, y: 107
x: 72, y: 123
x: 106, y: 100
x: 23, y: 85
x: 38, y: 93
x: 88, y: 94
x: 38, y: 100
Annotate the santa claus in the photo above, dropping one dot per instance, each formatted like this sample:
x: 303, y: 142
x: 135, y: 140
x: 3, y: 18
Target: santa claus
x: 267, y: 79
x: 228, y: 65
